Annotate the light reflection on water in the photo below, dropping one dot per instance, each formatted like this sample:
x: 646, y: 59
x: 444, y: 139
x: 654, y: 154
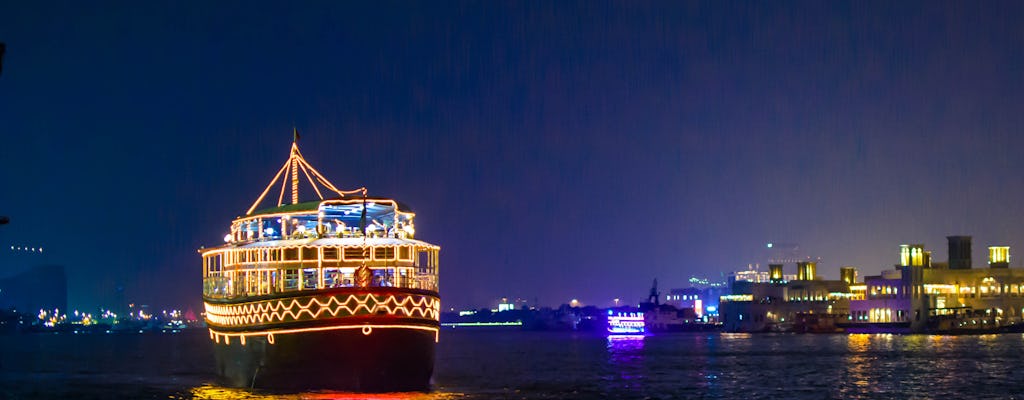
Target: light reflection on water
x: 626, y: 360
x: 486, y: 364
x: 221, y: 393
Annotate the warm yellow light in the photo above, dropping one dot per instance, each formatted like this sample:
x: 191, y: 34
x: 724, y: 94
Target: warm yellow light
x: 998, y: 254
x: 366, y: 329
x: 274, y: 311
x: 939, y: 288
x: 737, y: 297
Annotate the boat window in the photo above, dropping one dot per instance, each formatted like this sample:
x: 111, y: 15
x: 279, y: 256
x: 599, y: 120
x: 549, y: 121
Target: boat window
x: 421, y: 261
x: 291, y: 279
x: 404, y: 253
x: 384, y: 253
x: 309, y: 253
x: 309, y: 278
x: 354, y: 253
x: 291, y: 254
x: 332, y: 277
x: 330, y: 253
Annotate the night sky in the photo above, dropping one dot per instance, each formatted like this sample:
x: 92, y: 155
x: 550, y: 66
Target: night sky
x: 553, y: 150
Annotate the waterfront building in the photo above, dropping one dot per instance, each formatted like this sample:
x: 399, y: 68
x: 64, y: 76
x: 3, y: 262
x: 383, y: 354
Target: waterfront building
x: 999, y: 256
x: 753, y: 273
x: 703, y: 300
x: 917, y: 297
x: 959, y: 252
x: 848, y: 275
x: 783, y: 305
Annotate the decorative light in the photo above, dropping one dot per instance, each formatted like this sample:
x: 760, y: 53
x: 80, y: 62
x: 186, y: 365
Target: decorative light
x: 227, y: 238
x: 367, y: 329
x: 273, y: 311
x: 626, y: 323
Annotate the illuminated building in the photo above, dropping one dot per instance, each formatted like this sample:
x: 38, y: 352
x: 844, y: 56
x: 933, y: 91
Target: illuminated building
x: 848, y: 275
x: 916, y: 297
x: 783, y: 305
x: 914, y: 255
x: 999, y: 256
x: 805, y: 270
x: 703, y: 301
x: 775, y: 273
x: 328, y: 294
x: 754, y: 274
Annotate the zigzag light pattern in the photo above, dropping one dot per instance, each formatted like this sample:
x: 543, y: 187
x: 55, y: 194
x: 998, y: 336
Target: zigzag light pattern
x: 309, y: 308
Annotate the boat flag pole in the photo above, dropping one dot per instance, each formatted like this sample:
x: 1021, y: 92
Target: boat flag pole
x: 295, y: 165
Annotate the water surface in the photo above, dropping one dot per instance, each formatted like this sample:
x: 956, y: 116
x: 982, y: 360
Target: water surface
x: 507, y: 363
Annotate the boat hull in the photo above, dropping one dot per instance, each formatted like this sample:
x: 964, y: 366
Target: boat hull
x: 384, y: 360
x: 354, y: 339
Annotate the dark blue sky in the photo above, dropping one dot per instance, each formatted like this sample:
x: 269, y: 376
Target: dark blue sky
x: 553, y: 150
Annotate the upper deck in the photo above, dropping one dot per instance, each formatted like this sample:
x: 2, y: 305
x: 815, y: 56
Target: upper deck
x: 349, y: 241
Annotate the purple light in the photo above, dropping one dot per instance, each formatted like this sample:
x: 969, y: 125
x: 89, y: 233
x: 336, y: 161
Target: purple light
x: 626, y: 323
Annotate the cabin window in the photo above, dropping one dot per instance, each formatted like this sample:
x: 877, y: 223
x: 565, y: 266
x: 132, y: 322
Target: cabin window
x: 332, y: 277
x: 384, y: 253
x: 404, y: 253
x: 291, y: 254
x: 309, y: 253
x: 330, y: 253
x: 422, y: 261
x: 354, y: 253
x: 309, y: 278
x: 291, y: 279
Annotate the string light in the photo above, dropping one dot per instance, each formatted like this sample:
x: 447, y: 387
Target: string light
x: 290, y: 310
x: 217, y: 335
x: 291, y: 167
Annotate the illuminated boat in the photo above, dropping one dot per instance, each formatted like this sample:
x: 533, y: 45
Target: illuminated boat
x: 626, y: 323
x: 328, y: 294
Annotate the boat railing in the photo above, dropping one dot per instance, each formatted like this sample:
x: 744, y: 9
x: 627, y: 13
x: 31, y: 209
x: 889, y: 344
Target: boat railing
x: 309, y: 234
x: 217, y: 287
x: 228, y: 287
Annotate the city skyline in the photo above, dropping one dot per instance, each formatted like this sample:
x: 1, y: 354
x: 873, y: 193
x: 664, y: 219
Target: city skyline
x: 576, y: 152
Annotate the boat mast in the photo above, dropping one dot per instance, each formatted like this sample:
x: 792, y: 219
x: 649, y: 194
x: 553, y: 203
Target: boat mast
x: 295, y: 165
x: 291, y: 167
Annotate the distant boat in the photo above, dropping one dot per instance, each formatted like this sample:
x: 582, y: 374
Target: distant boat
x: 626, y: 323
x: 333, y: 293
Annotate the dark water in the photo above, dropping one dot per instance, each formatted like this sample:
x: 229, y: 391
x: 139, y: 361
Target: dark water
x: 485, y: 364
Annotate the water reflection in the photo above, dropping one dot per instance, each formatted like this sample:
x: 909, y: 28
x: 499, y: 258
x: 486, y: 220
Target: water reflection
x: 857, y: 365
x: 626, y: 359
x: 223, y: 393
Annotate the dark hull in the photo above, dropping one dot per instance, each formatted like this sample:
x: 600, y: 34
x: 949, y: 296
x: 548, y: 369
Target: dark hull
x: 352, y: 339
x: 386, y: 360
